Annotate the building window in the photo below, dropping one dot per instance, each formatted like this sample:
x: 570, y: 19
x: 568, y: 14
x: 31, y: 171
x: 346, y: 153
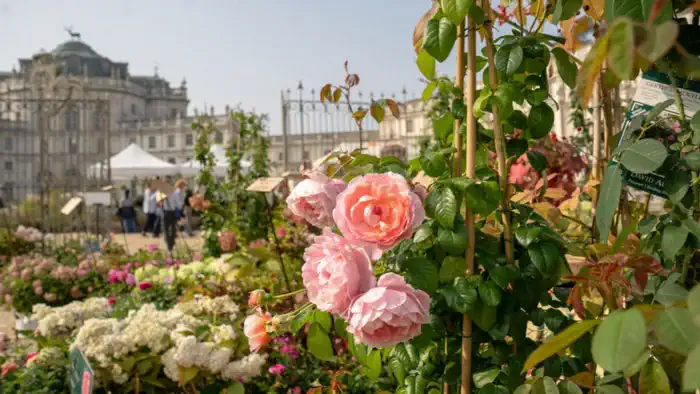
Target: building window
x: 189, y: 139
x: 171, y: 141
x: 72, y: 146
x: 8, y: 143
x: 219, y: 137
x: 100, y: 146
x: 306, y: 155
x: 132, y: 141
x: 171, y: 160
x: 72, y: 120
x: 280, y: 156
x: 151, y: 142
x: 173, y: 113
x: 133, y: 109
x: 98, y: 120
x: 8, y: 189
x: 8, y: 166
x: 409, y: 126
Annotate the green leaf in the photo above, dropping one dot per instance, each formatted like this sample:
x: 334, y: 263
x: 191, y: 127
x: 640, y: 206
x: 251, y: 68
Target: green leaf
x: 455, y: 10
x: 677, y: 185
x: 545, y: 385
x: 426, y: 65
x: 300, y: 320
x: 318, y: 342
x: 502, y: 275
x: 537, y: 160
x: 621, y: 50
x: 658, y: 109
x: 490, y: 293
x: 442, y: 126
x: 422, y: 273
x: 565, y: 65
x: 508, y: 58
x: 565, y: 9
x: 433, y: 163
x: 691, y: 377
x: 374, y: 365
x: 540, y: 120
x: 483, y: 197
x: 446, y: 207
x: 673, y: 239
x: 484, y: 316
x: 482, y: 378
x: 453, y: 242
x: 692, y: 160
x: 423, y: 233
x: 397, y: 368
x: 451, y: 268
x: 559, y: 342
x: 637, y: 10
x: 322, y: 318
x: 619, y: 340
x: 428, y: 91
x: 694, y: 303
x: 552, y: 255
x: 695, y: 122
x: 644, y: 156
x: 653, y: 379
x: 236, y: 388
x: 187, y: 375
x: 609, y: 389
x: 526, y: 235
x: 636, y: 366
x: 608, y: 200
x: 670, y: 292
x: 439, y: 38
x: 568, y: 387
x: 675, y: 330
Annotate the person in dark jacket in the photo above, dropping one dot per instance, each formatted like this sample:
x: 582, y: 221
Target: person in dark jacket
x: 127, y: 213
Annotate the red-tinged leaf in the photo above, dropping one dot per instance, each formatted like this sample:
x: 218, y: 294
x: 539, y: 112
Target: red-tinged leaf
x: 420, y: 26
x: 326, y: 92
x: 590, y: 70
x: 656, y: 8
x: 377, y: 112
x: 641, y: 277
x: 359, y: 114
x: 393, y: 107
x: 337, y: 94
x: 584, y: 379
x: 576, y: 300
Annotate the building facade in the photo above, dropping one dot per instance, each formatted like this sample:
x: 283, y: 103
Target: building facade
x: 67, y: 109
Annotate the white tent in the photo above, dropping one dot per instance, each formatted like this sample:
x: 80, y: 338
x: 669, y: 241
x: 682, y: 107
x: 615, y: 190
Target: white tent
x: 134, y: 162
x: 193, y: 166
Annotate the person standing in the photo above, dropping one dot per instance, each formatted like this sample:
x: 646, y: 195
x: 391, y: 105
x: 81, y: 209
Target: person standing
x: 171, y: 204
x: 149, y: 208
x: 188, y: 212
x: 128, y: 213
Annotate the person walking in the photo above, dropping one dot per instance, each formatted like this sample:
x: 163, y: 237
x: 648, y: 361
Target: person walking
x: 149, y: 208
x: 172, y: 204
x: 127, y: 213
x: 188, y: 212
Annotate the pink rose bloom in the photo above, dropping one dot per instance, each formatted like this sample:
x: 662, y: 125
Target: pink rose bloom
x: 111, y: 301
x: 31, y: 356
x: 277, y: 369
x: 391, y: 313
x: 335, y: 272
x: 27, y: 274
x: 255, y: 328
x: 152, y: 247
x: 227, y: 241
x: 8, y: 367
x: 145, y: 285
x: 378, y: 210
x: 255, y: 297
x: 290, y: 350
x: 281, y: 232
x: 50, y: 297
x: 38, y: 290
x: 314, y: 199
x: 518, y: 172
x: 296, y: 390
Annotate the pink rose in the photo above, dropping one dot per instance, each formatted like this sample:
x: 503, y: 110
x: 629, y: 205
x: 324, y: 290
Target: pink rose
x: 50, y: 297
x: 335, y: 272
x: 391, y: 313
x: 277, y: 369
x: 378, y: 210
x: 8, y: 367
x: 255, y: 297
x: 31, y: 356
x: 314, y: 199
x: 255, y: 328
x: 111, y: 301
x: 145, y: 285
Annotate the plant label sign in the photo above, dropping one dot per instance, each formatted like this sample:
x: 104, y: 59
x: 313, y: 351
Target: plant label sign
x: 82, y: 377
x: 71, y: 205
x: 655, y: 88
x: 265, y: 185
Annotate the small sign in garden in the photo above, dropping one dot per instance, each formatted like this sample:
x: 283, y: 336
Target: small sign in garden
x: 71, y: 205
x: 82, y: 377
x: 654, y: 90
x: 265, y: 185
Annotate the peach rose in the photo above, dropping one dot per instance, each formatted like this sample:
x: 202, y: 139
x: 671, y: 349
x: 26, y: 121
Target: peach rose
x: 391, y: 313
x: 255, y: 297
x: 255, y: 328
x: 378, y: 210
x: 335, y: 272
x: 314, y: 199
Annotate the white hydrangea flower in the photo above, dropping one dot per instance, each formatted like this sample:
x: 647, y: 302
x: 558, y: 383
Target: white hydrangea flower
x: 223, y: 334
x: 64, y: 319
x: 249, y: 366
x: 218, y: 359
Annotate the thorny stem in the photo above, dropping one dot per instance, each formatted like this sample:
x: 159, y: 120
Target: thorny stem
x: 295, y: 292
x: 500, y: 145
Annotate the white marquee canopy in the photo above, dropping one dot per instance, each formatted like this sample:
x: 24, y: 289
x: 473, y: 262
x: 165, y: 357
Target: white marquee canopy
x: 132, y: 162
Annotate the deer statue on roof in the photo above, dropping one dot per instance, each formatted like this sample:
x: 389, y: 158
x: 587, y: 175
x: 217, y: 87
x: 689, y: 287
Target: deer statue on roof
x: 73, y: 34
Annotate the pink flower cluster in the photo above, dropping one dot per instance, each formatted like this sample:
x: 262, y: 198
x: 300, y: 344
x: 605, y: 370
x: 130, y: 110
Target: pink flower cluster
x: 374, y: 213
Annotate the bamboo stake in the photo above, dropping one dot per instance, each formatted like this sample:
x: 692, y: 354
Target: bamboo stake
x: 466, y: 382
x: 459, y: 83
x: 499, y: 138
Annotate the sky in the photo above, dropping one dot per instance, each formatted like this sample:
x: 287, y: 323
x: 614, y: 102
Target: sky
x: 235, y: 52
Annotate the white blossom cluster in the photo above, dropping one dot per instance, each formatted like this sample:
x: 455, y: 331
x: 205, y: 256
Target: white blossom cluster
x: 170, y: 334
x: 202, y: 305
x: 29, y: 234
x: 47, y: 357
x: 64, y: 319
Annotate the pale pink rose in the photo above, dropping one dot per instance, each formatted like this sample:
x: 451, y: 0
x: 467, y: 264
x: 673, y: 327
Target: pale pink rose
x: 255, y: 328
x: 50, y: 297
x: 378, y: 210
x: 255, y: 297
x: 391, y: 313
x: 335, y: 272
x: 314, y: 199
